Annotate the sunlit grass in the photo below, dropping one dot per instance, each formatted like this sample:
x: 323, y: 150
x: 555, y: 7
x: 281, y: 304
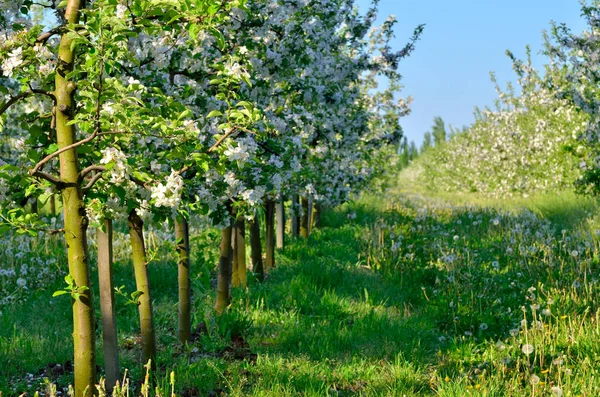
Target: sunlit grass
x: 447, y: 296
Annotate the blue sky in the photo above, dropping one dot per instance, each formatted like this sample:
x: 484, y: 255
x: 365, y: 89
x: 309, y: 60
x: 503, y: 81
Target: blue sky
x: 465, y: 40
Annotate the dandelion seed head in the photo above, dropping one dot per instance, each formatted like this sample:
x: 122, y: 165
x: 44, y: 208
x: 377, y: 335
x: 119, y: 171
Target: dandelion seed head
x: 527, y: 349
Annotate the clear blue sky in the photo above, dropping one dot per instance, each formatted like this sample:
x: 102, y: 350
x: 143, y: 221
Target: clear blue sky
x: 465, y: 40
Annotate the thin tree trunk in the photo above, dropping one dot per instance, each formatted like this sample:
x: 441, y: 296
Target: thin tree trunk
x: 280, y: 232
x: 295, y: 217
x: 255, y: 248
x: 107, y: 306
x: 239, y: 278
x: 140, y: 267
x: 182, y: 237
x: 305, y: 220
x: 52, y: 204
x: 317, y: 215
x: 224, y: 276
x: 235, y: 280
x: 269, y: 235
x: 310, y: 214
x: 75, y: 221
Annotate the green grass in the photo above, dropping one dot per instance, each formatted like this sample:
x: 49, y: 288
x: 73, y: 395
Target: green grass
x: 415, y: 296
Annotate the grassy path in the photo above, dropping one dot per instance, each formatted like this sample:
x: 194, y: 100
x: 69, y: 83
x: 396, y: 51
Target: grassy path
x: 416, y: 298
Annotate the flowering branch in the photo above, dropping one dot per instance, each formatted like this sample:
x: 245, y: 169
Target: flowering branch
x: 221, y: 139
x: 24, y: 95
x: 49, y: 157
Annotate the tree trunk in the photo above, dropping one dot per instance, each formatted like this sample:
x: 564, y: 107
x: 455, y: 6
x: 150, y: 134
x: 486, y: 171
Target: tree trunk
x: 269, y: 235
x: 255, y: 248
x: 52, y: 204
x: 280, y: 232
x: 311, y: 207
x: 107, y: 305
x: 239, y: 278
x: 317, y: 215
x: 182, y: 237
x: 140, y: 267
x: 75, y: 221
x: 295, y: 217
x: 224, y: 276
x: 305, y: 220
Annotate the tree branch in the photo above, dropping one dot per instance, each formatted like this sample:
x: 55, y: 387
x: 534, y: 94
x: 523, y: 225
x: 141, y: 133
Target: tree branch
x: 221, y: 139
x: 42, y: 38
x: 92, y: 182
x: 139, y: 182
x: 24, y: 95
x: 91, y: 168
x: 49, y: 177
x: 49, y: 157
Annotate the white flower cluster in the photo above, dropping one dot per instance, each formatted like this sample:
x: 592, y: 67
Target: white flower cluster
x: 515, y: 150
x: 14, y: 60
x: 117, y: 161
x: 169, y: 193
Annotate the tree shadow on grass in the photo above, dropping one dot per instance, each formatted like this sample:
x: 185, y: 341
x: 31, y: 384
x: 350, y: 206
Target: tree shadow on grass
x: 322, y: 305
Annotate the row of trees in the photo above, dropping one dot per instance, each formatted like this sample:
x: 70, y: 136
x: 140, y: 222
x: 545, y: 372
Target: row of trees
x: 523, y: 146
x: 435, y: 138
x: 542, y: 135
x: 144, y: 110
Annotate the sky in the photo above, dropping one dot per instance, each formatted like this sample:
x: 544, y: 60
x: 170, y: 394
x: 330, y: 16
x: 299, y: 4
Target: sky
x: 448, y: 74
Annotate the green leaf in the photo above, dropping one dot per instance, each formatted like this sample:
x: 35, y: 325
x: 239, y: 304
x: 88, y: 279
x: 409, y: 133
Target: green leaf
x: 59, y: 293
x: 214, y: 113
x: 69, y: 280
x: 218, y: 37
x: 245, y: 104
x: 30, y: 190
x: 185, y: 113
x: 52, y: 148
x: 236, y: 114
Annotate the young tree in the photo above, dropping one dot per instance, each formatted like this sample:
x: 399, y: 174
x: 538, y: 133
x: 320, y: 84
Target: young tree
x: 426, y: 142
x: 574, y: 59
x: 438, y: 131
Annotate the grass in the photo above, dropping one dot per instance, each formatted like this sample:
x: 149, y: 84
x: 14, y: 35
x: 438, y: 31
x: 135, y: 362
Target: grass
x: 416, y: 296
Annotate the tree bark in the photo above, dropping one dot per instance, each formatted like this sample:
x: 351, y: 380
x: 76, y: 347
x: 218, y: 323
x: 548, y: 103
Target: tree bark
x: 255, y: 248
x: 182, y: 237
x: 52, y: 204
x: 140, y: 267
x: 280, y: 232
x: 305, y: 220
x: 107, y: 305
x: 75, y: 220
x: 310, y: 214
x: 224, y: 276
x: 269, y: 235
x: 295, y: 217
x: 239, y: 277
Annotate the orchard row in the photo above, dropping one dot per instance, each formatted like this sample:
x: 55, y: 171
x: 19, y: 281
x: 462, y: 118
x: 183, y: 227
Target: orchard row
x: 160, y: 108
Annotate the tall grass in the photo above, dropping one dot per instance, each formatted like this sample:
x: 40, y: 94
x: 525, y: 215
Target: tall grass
x: 414, y: 296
